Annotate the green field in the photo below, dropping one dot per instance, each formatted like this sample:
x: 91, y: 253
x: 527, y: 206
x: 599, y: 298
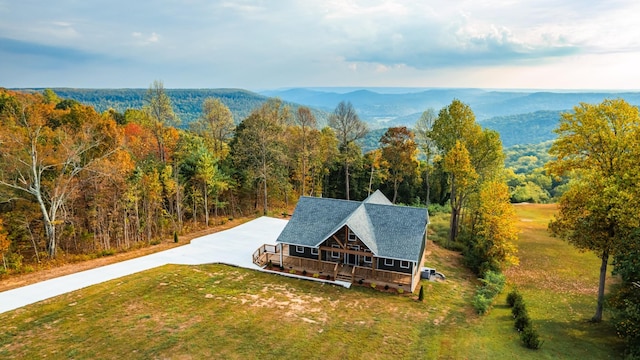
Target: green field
x: 216, y: 311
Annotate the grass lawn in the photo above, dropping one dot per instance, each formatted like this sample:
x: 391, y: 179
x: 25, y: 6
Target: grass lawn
x: 218, y: 311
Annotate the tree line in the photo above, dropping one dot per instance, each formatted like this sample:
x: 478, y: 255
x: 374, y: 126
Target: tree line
x: 76, y: 181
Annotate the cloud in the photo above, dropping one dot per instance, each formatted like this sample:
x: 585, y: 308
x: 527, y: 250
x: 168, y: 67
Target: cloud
x: 144, y: 40
x: 47, y: 52
x: 278, y: 43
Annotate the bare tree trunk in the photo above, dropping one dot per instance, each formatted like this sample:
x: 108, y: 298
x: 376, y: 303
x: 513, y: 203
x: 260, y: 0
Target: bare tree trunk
x: 395, y: 189
x: 346, y: 178
x: 206, y: 205
x: 264, y: 211
x: 428, y: 187
x: 453, y: 224
x: 264, y: 172
x: 597, y: 317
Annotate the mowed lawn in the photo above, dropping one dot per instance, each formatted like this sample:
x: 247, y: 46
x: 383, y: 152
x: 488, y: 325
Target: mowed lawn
x: 217, y: 311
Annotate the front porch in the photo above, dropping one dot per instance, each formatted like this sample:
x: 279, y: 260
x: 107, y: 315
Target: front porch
x: 276, y: 256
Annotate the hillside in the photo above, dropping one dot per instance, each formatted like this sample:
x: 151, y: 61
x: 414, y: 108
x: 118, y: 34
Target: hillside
x: 377, y: 105
x: 219, y: 311
x: 520, y: 117
x: 187, y: 102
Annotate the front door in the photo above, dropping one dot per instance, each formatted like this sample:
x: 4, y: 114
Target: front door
x: 352, y: 259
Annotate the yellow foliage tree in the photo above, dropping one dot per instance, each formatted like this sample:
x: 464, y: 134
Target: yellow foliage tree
x: 457, y: 163
x: 496, y: 229
x: 598, y: 146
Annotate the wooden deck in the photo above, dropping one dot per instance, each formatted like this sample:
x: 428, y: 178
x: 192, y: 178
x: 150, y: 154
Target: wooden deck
x: 269, y: 255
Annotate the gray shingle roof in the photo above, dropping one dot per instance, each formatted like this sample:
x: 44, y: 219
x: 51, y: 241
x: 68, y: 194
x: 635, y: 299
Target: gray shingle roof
x: 387, y: 230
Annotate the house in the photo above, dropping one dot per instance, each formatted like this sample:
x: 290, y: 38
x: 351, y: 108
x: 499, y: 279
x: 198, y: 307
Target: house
x: 372, y: 241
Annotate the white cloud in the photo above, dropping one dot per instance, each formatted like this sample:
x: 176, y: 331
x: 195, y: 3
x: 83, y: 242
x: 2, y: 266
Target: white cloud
x: 144, y: 40
x: 352, y: 42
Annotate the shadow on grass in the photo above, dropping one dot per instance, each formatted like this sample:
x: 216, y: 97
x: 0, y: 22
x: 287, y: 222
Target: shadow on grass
x: 580, y: 338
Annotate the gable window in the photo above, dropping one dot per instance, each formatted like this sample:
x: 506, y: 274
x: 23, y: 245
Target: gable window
x: 352, y: 236
x: 314, y: 251
x: 335, y: 254
x: 404, y: 264
x: 388, y: 262
x: 300, y: 249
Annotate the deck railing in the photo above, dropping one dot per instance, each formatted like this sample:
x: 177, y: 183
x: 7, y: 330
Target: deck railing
x: 271, y: 253
x: 262, y: 256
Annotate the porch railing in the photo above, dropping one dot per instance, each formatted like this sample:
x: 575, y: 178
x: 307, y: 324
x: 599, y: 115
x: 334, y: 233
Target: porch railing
x: 262, y: 256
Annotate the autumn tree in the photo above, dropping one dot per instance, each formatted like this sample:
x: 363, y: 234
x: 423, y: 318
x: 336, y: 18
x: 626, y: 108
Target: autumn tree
x: 378, y: 168
x: 161, y: 116
x: 493, y: 246
x: 598, y: 147
x: 399, y: 150
x: 307, y: 122
x: 456, y: 128
x: 258, y: 145
x: 215, y: 125
x: 44, y: 150
x: 348, y: 128
x: 426, y: 144
x: 323, y: 150
x: 457, y: 162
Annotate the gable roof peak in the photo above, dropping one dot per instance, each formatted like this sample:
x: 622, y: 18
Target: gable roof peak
x: 377, y: 198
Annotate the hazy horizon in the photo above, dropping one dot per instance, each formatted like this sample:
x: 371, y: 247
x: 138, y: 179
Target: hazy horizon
x: 256, y: 45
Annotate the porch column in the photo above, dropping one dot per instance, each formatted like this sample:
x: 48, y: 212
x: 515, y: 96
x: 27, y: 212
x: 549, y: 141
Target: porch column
x: 413, y: 274
x: 281, y: 250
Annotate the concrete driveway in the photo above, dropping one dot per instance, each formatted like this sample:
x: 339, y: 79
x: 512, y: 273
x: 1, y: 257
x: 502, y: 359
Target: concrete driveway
x: 234, y: 247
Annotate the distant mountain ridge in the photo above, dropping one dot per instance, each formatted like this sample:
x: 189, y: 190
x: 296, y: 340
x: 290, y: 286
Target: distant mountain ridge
x: 405, y: 108
x: 187, y: 102
x: 521, y: 117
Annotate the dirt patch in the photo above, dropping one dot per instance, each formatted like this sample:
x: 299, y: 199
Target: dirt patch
x: 19, y: 280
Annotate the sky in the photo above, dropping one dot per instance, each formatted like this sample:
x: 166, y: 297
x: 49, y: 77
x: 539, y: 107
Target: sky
x: 272, y: 44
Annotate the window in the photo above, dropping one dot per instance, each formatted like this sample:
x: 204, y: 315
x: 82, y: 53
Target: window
x: 314, y: 251
x: 300, y: 249
x: 404, y: 264
x: 335, y: 254
x: 367, y: 259
x: 352, y: 236
x: 388, y: 262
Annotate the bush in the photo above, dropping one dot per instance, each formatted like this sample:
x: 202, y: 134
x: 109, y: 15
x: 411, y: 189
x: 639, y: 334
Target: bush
x: 518, y: 308
x: 513, y: 297
x: 456, y: 246
x: 175, y: 237
x: 493, y: 284
x: 107, y: 252
x: 530, y: 338
x: 437, y: 209
x: 522, y: 322
x: 481, y: 304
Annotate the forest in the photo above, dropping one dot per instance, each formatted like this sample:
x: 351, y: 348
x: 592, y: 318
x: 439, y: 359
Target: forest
x: 76, y: 182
